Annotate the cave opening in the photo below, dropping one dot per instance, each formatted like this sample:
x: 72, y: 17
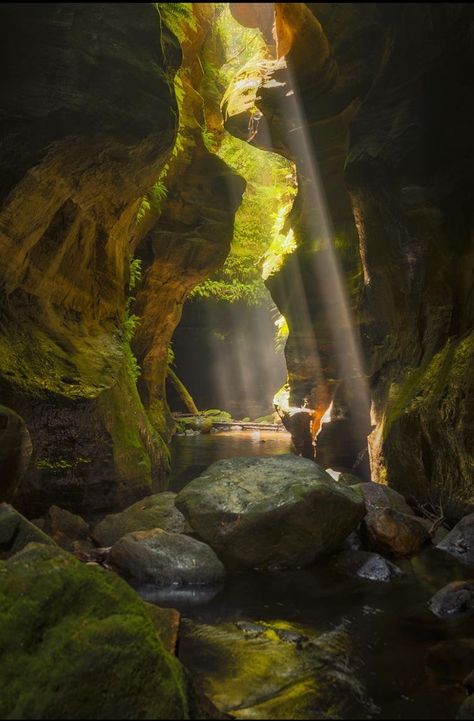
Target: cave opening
x: 223, y: 347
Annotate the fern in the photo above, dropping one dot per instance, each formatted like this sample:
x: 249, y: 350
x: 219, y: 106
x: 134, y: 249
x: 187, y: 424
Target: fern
x: 135, y: 273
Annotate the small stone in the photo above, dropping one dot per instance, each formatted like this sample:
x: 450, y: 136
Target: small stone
x: 460, y: 541
x: 454, y: 600
x: 370, y: 566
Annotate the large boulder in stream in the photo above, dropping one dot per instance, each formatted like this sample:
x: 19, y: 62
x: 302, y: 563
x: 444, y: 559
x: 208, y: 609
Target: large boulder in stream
x: 166, y: 559
x: 270, y: 512
x: 77, y: 642
x: 157, y: 511
x: 274, y: 670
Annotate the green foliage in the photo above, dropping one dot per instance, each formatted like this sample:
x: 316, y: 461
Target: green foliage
x: 60, y: 465
x: 258, y: 224
x: 152, y: 202
x: 135, y: 273
x: 131, y: 322
x: 178, y: 17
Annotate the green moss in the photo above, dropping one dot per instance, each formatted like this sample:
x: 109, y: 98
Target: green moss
x: 77, y: 642
x: 424, y: 387
x: 59, y: 465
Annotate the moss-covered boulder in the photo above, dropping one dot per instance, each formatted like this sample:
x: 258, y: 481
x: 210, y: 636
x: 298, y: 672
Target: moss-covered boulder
x: 157, y: 511
x: 265, y: 512
x: 166, y: 559
x: 16, y: 532
x: 274, y: 670
x: 76, y: 642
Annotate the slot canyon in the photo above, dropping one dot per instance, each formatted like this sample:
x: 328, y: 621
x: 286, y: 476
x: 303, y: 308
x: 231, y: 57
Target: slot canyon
x: 236, y: 361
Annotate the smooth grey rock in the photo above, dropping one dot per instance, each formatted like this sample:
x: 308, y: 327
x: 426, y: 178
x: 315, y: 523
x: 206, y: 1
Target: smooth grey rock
x: 157, y: 511
x: 166, y: 559
x: 270, y: 512
x: 371, y: 566
x: 460, y: 540
x: 454, y: 600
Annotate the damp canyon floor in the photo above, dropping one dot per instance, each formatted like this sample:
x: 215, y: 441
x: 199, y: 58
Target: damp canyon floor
x: 392, y: 629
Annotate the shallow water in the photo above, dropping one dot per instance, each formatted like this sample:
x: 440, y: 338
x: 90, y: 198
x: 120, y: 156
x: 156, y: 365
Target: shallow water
x: 391, y: 625
x: 190, y: 455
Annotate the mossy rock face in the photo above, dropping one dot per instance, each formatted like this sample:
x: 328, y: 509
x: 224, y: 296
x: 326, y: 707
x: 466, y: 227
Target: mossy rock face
x: 16, y: 532
x: 15, y: 451
x: 270, y: 512
x: 76, y: 642
x: 157, y: 511
x: 274, y: 670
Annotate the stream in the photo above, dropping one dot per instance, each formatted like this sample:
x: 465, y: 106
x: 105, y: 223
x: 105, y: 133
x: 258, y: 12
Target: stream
x: 392, y: 630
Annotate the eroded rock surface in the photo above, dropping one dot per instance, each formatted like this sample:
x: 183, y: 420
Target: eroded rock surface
x: 281, y: 511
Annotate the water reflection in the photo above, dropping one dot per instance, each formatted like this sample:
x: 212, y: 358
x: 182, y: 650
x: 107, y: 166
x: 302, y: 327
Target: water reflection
x: 191, y: 455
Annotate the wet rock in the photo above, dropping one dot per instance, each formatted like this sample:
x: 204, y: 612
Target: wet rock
x: 16, y: 532
x: 370, y: 566
x: 274, y: 670
x: 157, y: 511
x: 270, y: 512
x: 353, y: 542
x: 460, y: 541
x: 113, y: 664
x: 15, y: 452
x: 166, y: 622
x: 166, y: 559
x: 454, y: 600
x: 376, y: 497
x: 389, y: 531
x: 67, y: 529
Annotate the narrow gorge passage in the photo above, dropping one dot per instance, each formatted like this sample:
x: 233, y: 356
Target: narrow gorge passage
x: 236, y: 361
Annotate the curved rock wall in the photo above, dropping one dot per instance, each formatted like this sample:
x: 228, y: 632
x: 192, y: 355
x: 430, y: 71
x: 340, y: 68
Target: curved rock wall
x: 88, y: 118
x: 387, y: 108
